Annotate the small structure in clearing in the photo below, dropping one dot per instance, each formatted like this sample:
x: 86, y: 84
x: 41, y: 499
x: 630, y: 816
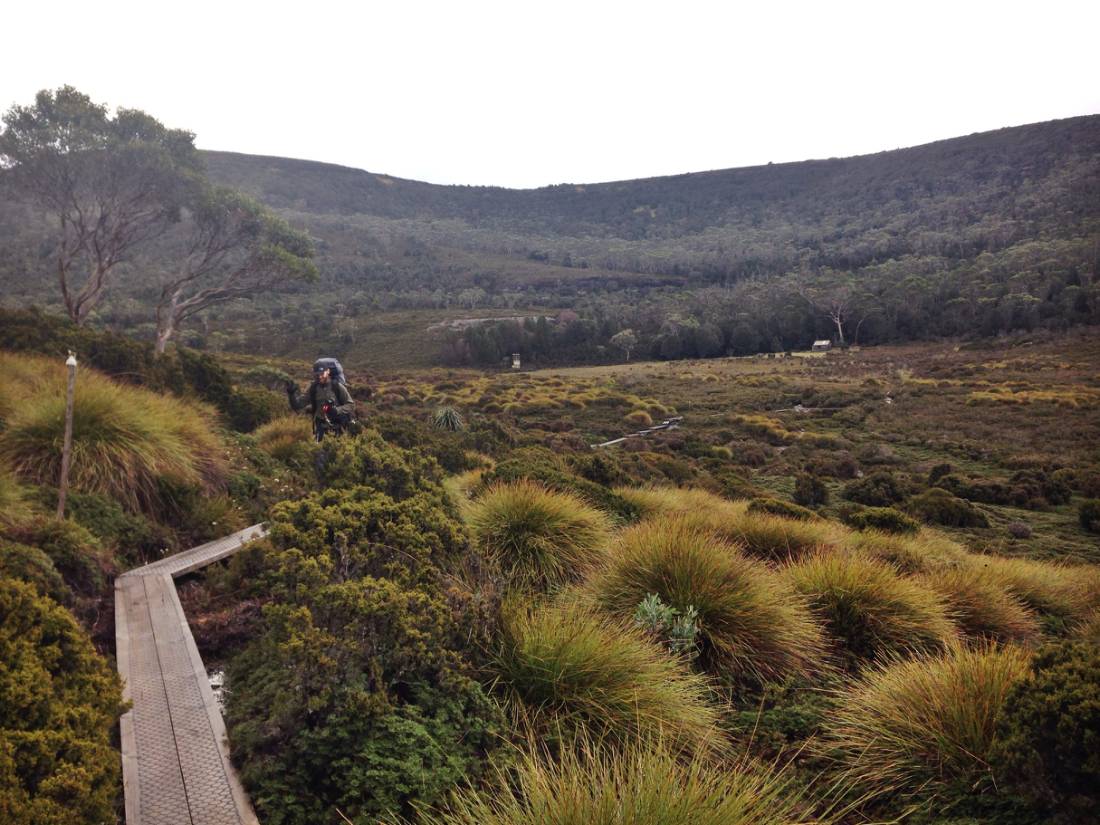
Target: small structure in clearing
x: 822, y: 345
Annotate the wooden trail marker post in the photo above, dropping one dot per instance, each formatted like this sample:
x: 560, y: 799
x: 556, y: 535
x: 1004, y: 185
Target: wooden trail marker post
x: 67, y: 444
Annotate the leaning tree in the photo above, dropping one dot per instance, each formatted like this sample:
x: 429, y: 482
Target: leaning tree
x: 228, y: 246
x: 111, y: 183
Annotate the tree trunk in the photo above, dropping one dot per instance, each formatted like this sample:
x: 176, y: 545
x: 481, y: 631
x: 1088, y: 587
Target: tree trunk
x: 165, y: 330
x: 839, y: 328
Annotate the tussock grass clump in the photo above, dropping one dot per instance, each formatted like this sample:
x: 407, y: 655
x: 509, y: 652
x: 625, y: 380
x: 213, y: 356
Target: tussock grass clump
x: 909, y: 554
x: 751, y: 624
x: 759, y: 533
x: 777, y: 538
x: 125, y: 439
x: 656, y: 500
x: 915, y: 725
x: 535, y: 536
x: 868, y: 608
x: 640, y: 785
x: 1056, y: 590
x: 981, y: 606
x: 575, y: 670
x: 16, y: 505
x: 281, y: 437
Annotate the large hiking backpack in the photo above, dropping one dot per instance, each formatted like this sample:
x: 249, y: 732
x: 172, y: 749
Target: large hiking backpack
x: 335, y: 370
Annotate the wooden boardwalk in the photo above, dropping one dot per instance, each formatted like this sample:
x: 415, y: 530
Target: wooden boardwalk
x: 175, y: 758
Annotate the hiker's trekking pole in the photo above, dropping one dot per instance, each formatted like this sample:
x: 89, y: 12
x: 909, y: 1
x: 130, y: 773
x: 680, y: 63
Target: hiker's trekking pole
x: 67, y: 444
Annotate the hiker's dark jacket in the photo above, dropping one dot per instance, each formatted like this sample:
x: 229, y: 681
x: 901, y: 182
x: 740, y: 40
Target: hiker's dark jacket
x: 330, y: 404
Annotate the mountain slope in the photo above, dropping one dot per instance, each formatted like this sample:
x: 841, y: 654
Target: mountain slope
x: 990, y: 232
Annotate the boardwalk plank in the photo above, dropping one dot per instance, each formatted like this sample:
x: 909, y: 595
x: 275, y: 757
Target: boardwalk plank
x: 175, y: 757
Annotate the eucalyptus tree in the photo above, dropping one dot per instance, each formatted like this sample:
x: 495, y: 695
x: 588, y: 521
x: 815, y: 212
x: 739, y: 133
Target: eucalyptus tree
x: 228, y: 247
x: 109, y: 183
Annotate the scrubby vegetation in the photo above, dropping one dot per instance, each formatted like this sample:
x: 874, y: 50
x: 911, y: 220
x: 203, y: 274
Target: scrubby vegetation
x: 498, y: 621
x: 1050, y: 732
x: 60, y: 702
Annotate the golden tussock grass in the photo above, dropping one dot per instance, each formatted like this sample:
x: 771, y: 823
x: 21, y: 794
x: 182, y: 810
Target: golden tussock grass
x: 921, y: 553
x: 535, y: 536
x: 576, y: 670
x: 868, y: 607
x: 125, y: 439
x: 911, y: 726
x: 751, y: 623
x: 661, y: 499
x: 280, y: 437
x: 981, y: 606
x: 644, y: 784
x: 1057, y: 590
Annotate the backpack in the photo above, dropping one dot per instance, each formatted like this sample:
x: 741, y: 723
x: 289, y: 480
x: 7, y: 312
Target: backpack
x: 335, y: 370
x: 335, y: 373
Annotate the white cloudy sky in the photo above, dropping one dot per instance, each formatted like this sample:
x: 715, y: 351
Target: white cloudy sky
x: 524, y: 94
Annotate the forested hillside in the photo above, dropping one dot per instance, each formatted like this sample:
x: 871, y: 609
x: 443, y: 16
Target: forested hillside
x: 981, y: 234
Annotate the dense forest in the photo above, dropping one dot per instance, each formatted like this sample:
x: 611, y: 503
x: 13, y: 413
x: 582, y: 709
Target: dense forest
x: 982, y: 234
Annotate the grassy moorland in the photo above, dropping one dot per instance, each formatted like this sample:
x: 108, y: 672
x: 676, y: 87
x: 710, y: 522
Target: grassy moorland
x: 849, y: 588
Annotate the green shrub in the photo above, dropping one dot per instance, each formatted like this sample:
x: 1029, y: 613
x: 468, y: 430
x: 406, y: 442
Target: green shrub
x: 938, y: 472
x: 886, y: 519
x: 751, y: 625
x: 251, y: 407
x: 134, y: 537
x: 922, y: 726
x: 641, y: 785
x: 74, y: 552
x: 868, y: 608
x: 574, y: 670
x: 535, y: 536
x: 355, y: 699
x: 674, y: 629
x: 878, y: 489
x: 244, y: 486
x: 31, y: 565
x: 368, y: 460
x: 937, y: 506
x: 1088, y: 514
x: 1033, y: 484
x: 357, y: 694
x: 340, y: 535
x: 810, y: 491
x: 1049, y: 731
x: 778, y: 507
x: 59, y: 703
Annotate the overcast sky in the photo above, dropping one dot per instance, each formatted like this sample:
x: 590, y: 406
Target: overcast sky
x: 527, y: 94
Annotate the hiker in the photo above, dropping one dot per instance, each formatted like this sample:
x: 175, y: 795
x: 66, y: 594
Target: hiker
x: 327, y: 399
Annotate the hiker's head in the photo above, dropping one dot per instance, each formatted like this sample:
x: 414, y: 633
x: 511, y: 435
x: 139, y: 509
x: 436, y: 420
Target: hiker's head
x: 321, y: 375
